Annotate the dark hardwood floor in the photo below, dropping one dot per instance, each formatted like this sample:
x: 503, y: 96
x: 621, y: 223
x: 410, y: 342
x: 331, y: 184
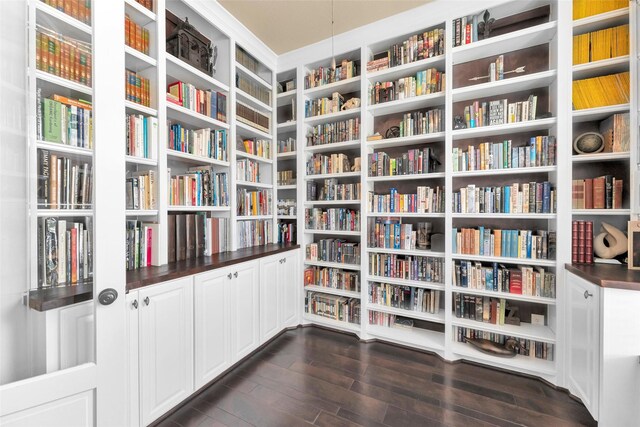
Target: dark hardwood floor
x: 313, y: 376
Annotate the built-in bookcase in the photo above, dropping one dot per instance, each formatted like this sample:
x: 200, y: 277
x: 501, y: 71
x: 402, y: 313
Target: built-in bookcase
x: 603, y: 188
x: 255, y: 199
x: 61, y: 146
x: 287, y: 178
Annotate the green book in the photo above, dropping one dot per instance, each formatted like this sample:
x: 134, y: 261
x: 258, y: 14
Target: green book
x: 52, y: 131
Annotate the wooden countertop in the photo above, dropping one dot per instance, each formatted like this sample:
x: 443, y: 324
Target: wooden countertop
x: 607, y: 275
x: 51, y: 298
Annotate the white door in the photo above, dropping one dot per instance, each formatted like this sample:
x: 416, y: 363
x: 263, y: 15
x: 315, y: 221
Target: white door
x: 212, y: 327
x: 245, y: 309
x: 269, y: 297
x: 289, y: 280
x: 88, y: 380
x: 583, y: 337
x: 166, y: 346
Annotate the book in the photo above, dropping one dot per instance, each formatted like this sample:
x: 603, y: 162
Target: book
x: 601, y: 91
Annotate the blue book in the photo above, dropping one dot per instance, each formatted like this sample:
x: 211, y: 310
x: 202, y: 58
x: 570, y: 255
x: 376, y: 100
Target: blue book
x: 546, y: 197
x: 481, y: 237
x: 396, y: 234
x: 532, y: 152
x: 528, y: 244
x: 464, y: 279
x: 495, y: 276
x: 514, y: 243
x: 506, y: 199
x: 504, y: 243
x: 488, y: 279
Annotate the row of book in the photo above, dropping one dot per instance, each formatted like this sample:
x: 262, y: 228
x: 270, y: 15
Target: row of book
x: 333, y: 250
x: 422, y: 122
x: 63, y: 183
x: 137, y: 88
x: 286, y: 177
x: 528, y: 197
x: 203, y: 101
x: 78, y: 9
x: 199, y: 186
x: 602, y: 44
x: 320, y: 106
x: 334, y: 219
x: 333, y: 307
x: 417, y: 47
x: 425, y: 200
x: 246, y: 60
x: 286, y: 86
x: 522, y: 244
x: 389, y: 320
x: 541, y: 151
x: 603, y: 192
x: 407, y: 267
x: 333, y: 278
x: 248, y: 170
x: 526, y: 348
x: 141, y: 190
x: 425, y: 82
x: 496, y: 277
x: 253, y: 202
x: 499, y: 112
x: 194, y: 235
x: 253, y: 88
x: 64, y: 120
x: 252, y: 117
x: 582, y: 242
x: 496, y: 69
x: 414, y: 161
x: 254, y: 233
x: 255, y: 147
x: 465, y: 30
x: 326, y: 75
x: 146, y: 3
x: 65, y: 251
x: 483, y: 309
x: 601, y: 91
x: 286, y: 232
x: 209, y: 143
x: 320, y: 164
x: 286, y: 207
x: 136, y: 36
x: 584, y: 8
x: 391, y: 234
x: 141, y: 135
x: 287, y: 145
x: 331, y: 190
x: 329, y: 133
x: 405, y: 297
x: 141, y: 244
x: 63, y: 56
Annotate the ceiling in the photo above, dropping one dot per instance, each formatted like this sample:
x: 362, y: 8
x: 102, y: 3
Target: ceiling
x: 285, y: 25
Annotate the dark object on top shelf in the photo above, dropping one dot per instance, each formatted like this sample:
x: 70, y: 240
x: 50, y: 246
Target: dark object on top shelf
x: 189, y: 45
x: 520, y: 21
x: 509, y: 349
x: 485, y: 26
x: 458, y: 123
x: 392, y: 132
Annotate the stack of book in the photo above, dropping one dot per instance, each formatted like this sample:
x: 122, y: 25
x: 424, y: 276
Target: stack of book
x: 584, y: 8
x: 391, y: 234
x: 332, y: 219
x: 142, y: 244
x: 333, y: 250
x: 138, y: 88
x: 287, y: 145
x: 527, y: 348
x: 326, y: 75
x: 582, y: 242
x: 603, y: 192
x: 423, y: 83
x: 414, y: 161
x: 331, y: 277
x: 248, y: 170
x: 136, y: 36
x: 417, y: 47
x: 256, y: 147
x: 334, y: 163
x: 254, y: 233
x: 141, y: 190
x: 602, y: 44
x: 405, y: 297
x: 601, y: 91
x: 254, y: 89
x: 253, y: 202
x: 465, y: 30
x: 421, y: 268
x: 200, y: 186
x: 286, y: 177
x: 252, y: 117
x: 333, y: 307
x: 201, y: 142
x: 389, y: 320
x: 523, y: 244
x: 422, y: 122
x: 499, y: 112
x: 286, y: 232
x: 286, y: 207
x: 78, y: 9
x: 142, y: 134
x: 346, y: 130
x: 146, y: 3
x: 541, y: 151
x: 331, y: 190
x: 320, y: 106
x: 615, y: 131
x: 206, y: 102
x: 63, y: 56
x: 425, y: 200
x: 63, y: 183
x: 528, y: 197
x: 64, y: 120
x: 195, y: 235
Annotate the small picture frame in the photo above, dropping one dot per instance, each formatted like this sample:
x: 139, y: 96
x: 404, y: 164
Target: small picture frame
x: 634, y: 245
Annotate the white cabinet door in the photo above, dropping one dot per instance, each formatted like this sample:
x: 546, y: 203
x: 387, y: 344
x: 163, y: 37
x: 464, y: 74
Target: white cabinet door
x: 583, y: 337
x: 133, y: 386
x: 289, y: 281
x: 166, y: 346
x: 245, y: 309
x: 212, y: 327
x: 269, y: 297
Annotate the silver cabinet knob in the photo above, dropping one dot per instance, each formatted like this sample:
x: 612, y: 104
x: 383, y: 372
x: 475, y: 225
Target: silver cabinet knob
x: 235, y: 274
x: 229, y: 276
x: 587, y: 294
x: 147, y: 301
x: 134, y: 304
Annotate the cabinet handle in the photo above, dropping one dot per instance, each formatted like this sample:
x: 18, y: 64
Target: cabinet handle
x: 587, y: 294
x: 284, y: 260
x: 135, y: 304
x: 147, y: 301
x: 229, y: 276
x: 280, y: 261
x: 235, y: 274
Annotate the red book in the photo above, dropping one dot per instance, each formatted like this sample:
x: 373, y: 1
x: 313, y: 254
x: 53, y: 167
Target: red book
x: 515, y: 281
x: 581, y: 241
x: 598, y: 192
x: 617, y: 193
x: 588, y: 242
x: 74, y: 255
x: 588, y: 193
x: 468, y: 34
x: 574, y: 242
x: 149, y: 242
x: 494, y: 311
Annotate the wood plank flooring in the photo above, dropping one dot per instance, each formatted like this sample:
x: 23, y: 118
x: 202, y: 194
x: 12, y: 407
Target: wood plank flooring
x: 323, y: 378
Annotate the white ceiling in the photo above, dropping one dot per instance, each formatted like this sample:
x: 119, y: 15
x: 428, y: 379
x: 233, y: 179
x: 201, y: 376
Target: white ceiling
x: 285, y: 25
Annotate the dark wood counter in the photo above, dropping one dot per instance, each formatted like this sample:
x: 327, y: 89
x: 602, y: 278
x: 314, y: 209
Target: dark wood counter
x: 51, y: 298
x: 607, y: 275
x: 150, y: 275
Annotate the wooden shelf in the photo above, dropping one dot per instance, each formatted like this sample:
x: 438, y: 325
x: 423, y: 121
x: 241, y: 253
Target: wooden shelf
x: 54, y: 19
x: 334, y: 147
x: 180, y: 70
x: 507, y: 171
x: 332, y: 291
x: 505, y: 86
x: 603, y: 20
x: 287, y: 155
x: 286, y: 187
x: 77, y: 88
x: 525, y: 330
x: 506, y: 129
x: 64, y: 213
x: 133, y: 107
x: 192, y: 158
x: 341, y: 265
x: 253, y: 157
x: 331, y: 202
x: 405, y: 70
x: 253, y: 184
x: 505, y: 295
x: 429, y: 317
x: 600, y: 212
x: 333, y: 232
x: 287, y: 126
x: 135, y: 160
x: 253, y: 217
x: 411, y: 177
x: 505, y: 215
x: 598, y: 113
x: 141, y: 212
x: 192, y: 118
x: 416, y: 337
x: 136, y: 60
x: 245, y: 130
x: 406, y: 214
x: 174, y: 208
x: 65, y: 149
x: 407, y: 282
x: 285, y: 97
x: 602, y: 67
x: 331, y: 323
x: 247, y: 72
x: 253, y: 102
x: 600, y: 157
x: 407, y: 104
x: 526, y: 364
x: 333, y: 175
x: 411, y: 252
x: 61, y: 296
x: 342, y: 86
x: 140, y: 14
x: 286, y: 217
x: 332, y: 117
x: 406, y: 140
x: 506, y: 260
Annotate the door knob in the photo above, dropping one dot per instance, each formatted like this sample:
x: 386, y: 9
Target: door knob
x: 229, y: 276
x: 587, y: 294
x: 235, y: 274
x: 107, y: 296
x: 135, y: 303
x: 147, y: 301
